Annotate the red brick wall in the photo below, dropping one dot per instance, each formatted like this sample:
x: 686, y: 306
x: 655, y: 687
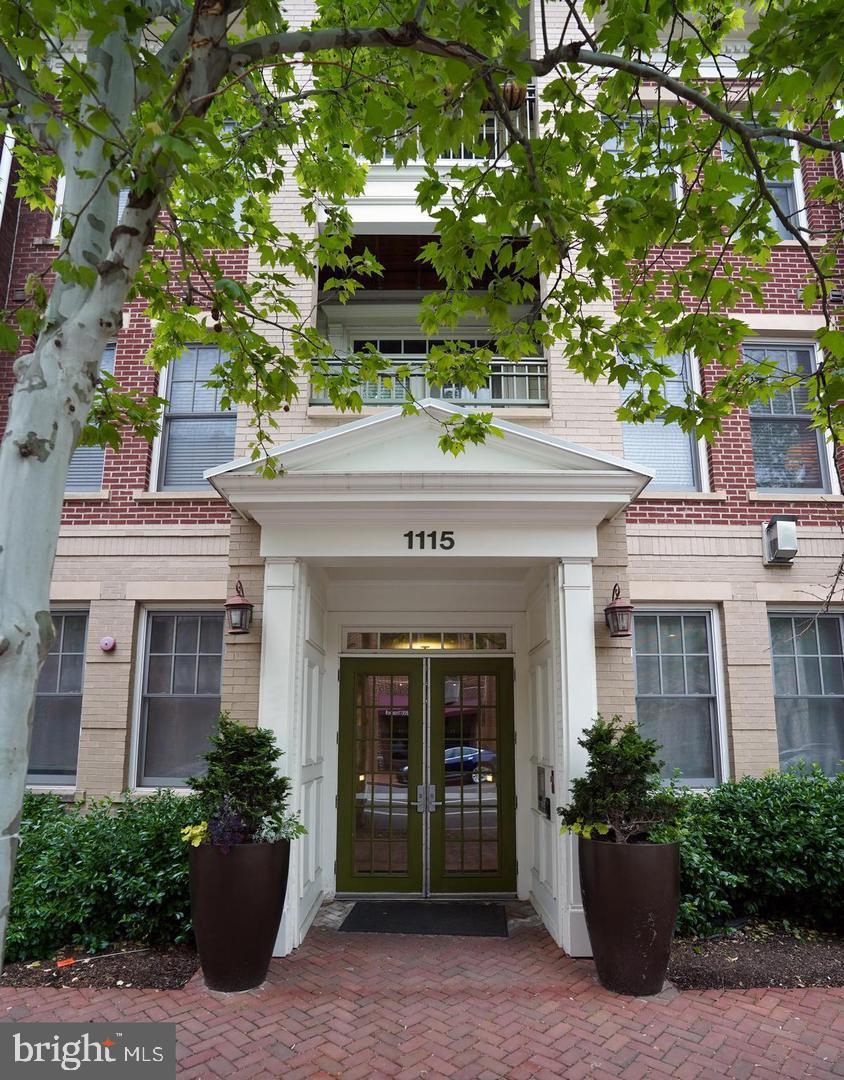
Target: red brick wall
x: 730, y: 456
x: 127, y: 471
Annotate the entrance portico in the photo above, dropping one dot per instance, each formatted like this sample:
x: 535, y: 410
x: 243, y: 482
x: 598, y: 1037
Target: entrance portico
x: 379, y: 549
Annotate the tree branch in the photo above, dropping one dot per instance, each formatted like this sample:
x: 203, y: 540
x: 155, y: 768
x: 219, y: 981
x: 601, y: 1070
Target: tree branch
x: 35, y: 109
x: 411, y: 36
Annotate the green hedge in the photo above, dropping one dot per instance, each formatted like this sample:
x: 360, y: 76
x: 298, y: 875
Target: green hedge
x: 772, y: 847
x: 117, y: 871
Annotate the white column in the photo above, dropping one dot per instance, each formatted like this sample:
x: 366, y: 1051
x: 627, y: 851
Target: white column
x: 280, y: 701
x: 579, y: 707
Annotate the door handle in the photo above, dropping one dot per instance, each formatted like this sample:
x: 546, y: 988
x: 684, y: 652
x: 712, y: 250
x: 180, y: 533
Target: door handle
x: 421, y: 798
x: 432, y: 798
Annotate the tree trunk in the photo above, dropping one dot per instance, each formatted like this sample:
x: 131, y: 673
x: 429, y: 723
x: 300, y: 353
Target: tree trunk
x: 55, y: 386
x: 44, y: 423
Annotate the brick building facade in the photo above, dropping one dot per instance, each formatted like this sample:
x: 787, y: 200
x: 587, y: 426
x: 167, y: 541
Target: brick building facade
x: 728, y: 667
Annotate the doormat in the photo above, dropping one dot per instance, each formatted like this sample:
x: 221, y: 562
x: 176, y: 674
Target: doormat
x: 457, y: 917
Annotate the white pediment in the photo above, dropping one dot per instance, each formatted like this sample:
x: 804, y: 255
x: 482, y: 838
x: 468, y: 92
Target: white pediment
x: 389, y: 457
x: 392, y: 443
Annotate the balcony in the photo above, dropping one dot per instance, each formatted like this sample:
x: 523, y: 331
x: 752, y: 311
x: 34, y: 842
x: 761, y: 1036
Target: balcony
x: 388, y: 202
x: 494, y: 135
x: 524, y: 384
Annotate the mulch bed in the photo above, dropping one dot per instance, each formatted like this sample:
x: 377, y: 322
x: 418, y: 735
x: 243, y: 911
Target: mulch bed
x: 165, y: 968
x: 757, y: 955
x: 754, y: 955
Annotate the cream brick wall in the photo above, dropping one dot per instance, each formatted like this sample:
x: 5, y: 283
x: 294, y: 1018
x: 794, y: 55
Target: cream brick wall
x: 722, y: 566
x: 616, y: 688
x: 111, y: 571
x: 242, y: 657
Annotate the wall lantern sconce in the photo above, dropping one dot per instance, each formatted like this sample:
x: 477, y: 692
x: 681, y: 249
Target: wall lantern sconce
x: 238, y: 611
x: 779, y: 540
x: 619, y: 614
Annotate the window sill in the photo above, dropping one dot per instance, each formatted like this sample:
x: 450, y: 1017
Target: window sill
x: 203, y: 495
x: 103, y: 495
x: 683, y: 496
x: 65, y: 792
x: 793, y: 497
x: 145, y: 792
x: 507, y: 412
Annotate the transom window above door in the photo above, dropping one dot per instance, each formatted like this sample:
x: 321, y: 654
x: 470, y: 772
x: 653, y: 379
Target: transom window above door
x: 523, y: 383
x: 425, y: 640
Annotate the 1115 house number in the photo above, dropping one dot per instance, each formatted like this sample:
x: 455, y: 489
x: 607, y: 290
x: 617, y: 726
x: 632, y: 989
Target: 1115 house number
x: 421, y: 541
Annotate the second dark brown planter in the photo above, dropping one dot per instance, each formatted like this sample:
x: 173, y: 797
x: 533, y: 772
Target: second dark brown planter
x: 236, y: 903
x: 631, y: 893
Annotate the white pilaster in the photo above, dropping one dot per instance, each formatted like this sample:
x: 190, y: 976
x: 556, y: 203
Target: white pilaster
x: 280, y: 701
x: 579, y: 707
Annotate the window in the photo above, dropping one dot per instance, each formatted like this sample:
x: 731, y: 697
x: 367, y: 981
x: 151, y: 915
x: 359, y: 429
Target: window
x: 58, y: 206
x: 524, y: 383
x: 808, y: 663
x: 668, y: 451
x: 196, y: 434
x: 676, y: 701
x: 785, y: 193
x: 181, y: 695
x: 427, y: 640
x: 58, y: 704
x: 787, y: 451
x: 641, y: 125
x: 86, y: 466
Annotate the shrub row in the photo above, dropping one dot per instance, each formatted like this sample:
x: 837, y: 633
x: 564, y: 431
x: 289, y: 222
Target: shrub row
x: 771, y: 847
x: 113, y: 872
x: 118, y: 871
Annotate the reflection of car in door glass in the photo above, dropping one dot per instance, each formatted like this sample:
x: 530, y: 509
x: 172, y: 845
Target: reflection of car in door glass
x: 462, y: 763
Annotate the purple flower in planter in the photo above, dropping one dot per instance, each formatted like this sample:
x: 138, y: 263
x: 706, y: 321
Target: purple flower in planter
x: 226, y: 828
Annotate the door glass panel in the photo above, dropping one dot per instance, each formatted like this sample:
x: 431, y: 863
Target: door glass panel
x: 381, y: 781
x: 470, y: 797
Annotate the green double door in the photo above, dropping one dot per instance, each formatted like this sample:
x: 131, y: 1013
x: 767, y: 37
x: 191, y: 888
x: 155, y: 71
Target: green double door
x: 426, y: 802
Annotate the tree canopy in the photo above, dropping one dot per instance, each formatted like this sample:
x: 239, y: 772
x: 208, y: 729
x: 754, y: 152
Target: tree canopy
x: 652, y: 135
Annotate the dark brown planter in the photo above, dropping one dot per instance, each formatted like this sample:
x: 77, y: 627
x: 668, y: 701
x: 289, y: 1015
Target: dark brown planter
x: 236, y: 902
x: 631, y: 893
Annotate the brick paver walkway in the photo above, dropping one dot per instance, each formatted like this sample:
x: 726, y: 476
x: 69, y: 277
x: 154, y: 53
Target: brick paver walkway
x: 359, y: 1005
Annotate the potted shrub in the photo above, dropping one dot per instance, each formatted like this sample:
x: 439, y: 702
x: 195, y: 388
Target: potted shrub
x: 629, y: 858
x: 239, y: 856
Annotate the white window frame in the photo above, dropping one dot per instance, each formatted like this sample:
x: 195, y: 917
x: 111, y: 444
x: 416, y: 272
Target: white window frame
x: 701, y: 457
x: 403, y: 628
x: 157, y: 445
x: 41, y: 781
x: 5, y: 168
x: 137, y: 699
x: 157, y: 448
x: 55, y: 226
x: 782, y: 341
x: 650, y: 106
x: 92, y: 492
x: 801, y: 218
x: 712, y: 611
x: 793, y: 611
x: 58, y: 206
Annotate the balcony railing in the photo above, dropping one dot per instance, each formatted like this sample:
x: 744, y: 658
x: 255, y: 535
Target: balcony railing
x: 525, y: 383
x: 494, y: 135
